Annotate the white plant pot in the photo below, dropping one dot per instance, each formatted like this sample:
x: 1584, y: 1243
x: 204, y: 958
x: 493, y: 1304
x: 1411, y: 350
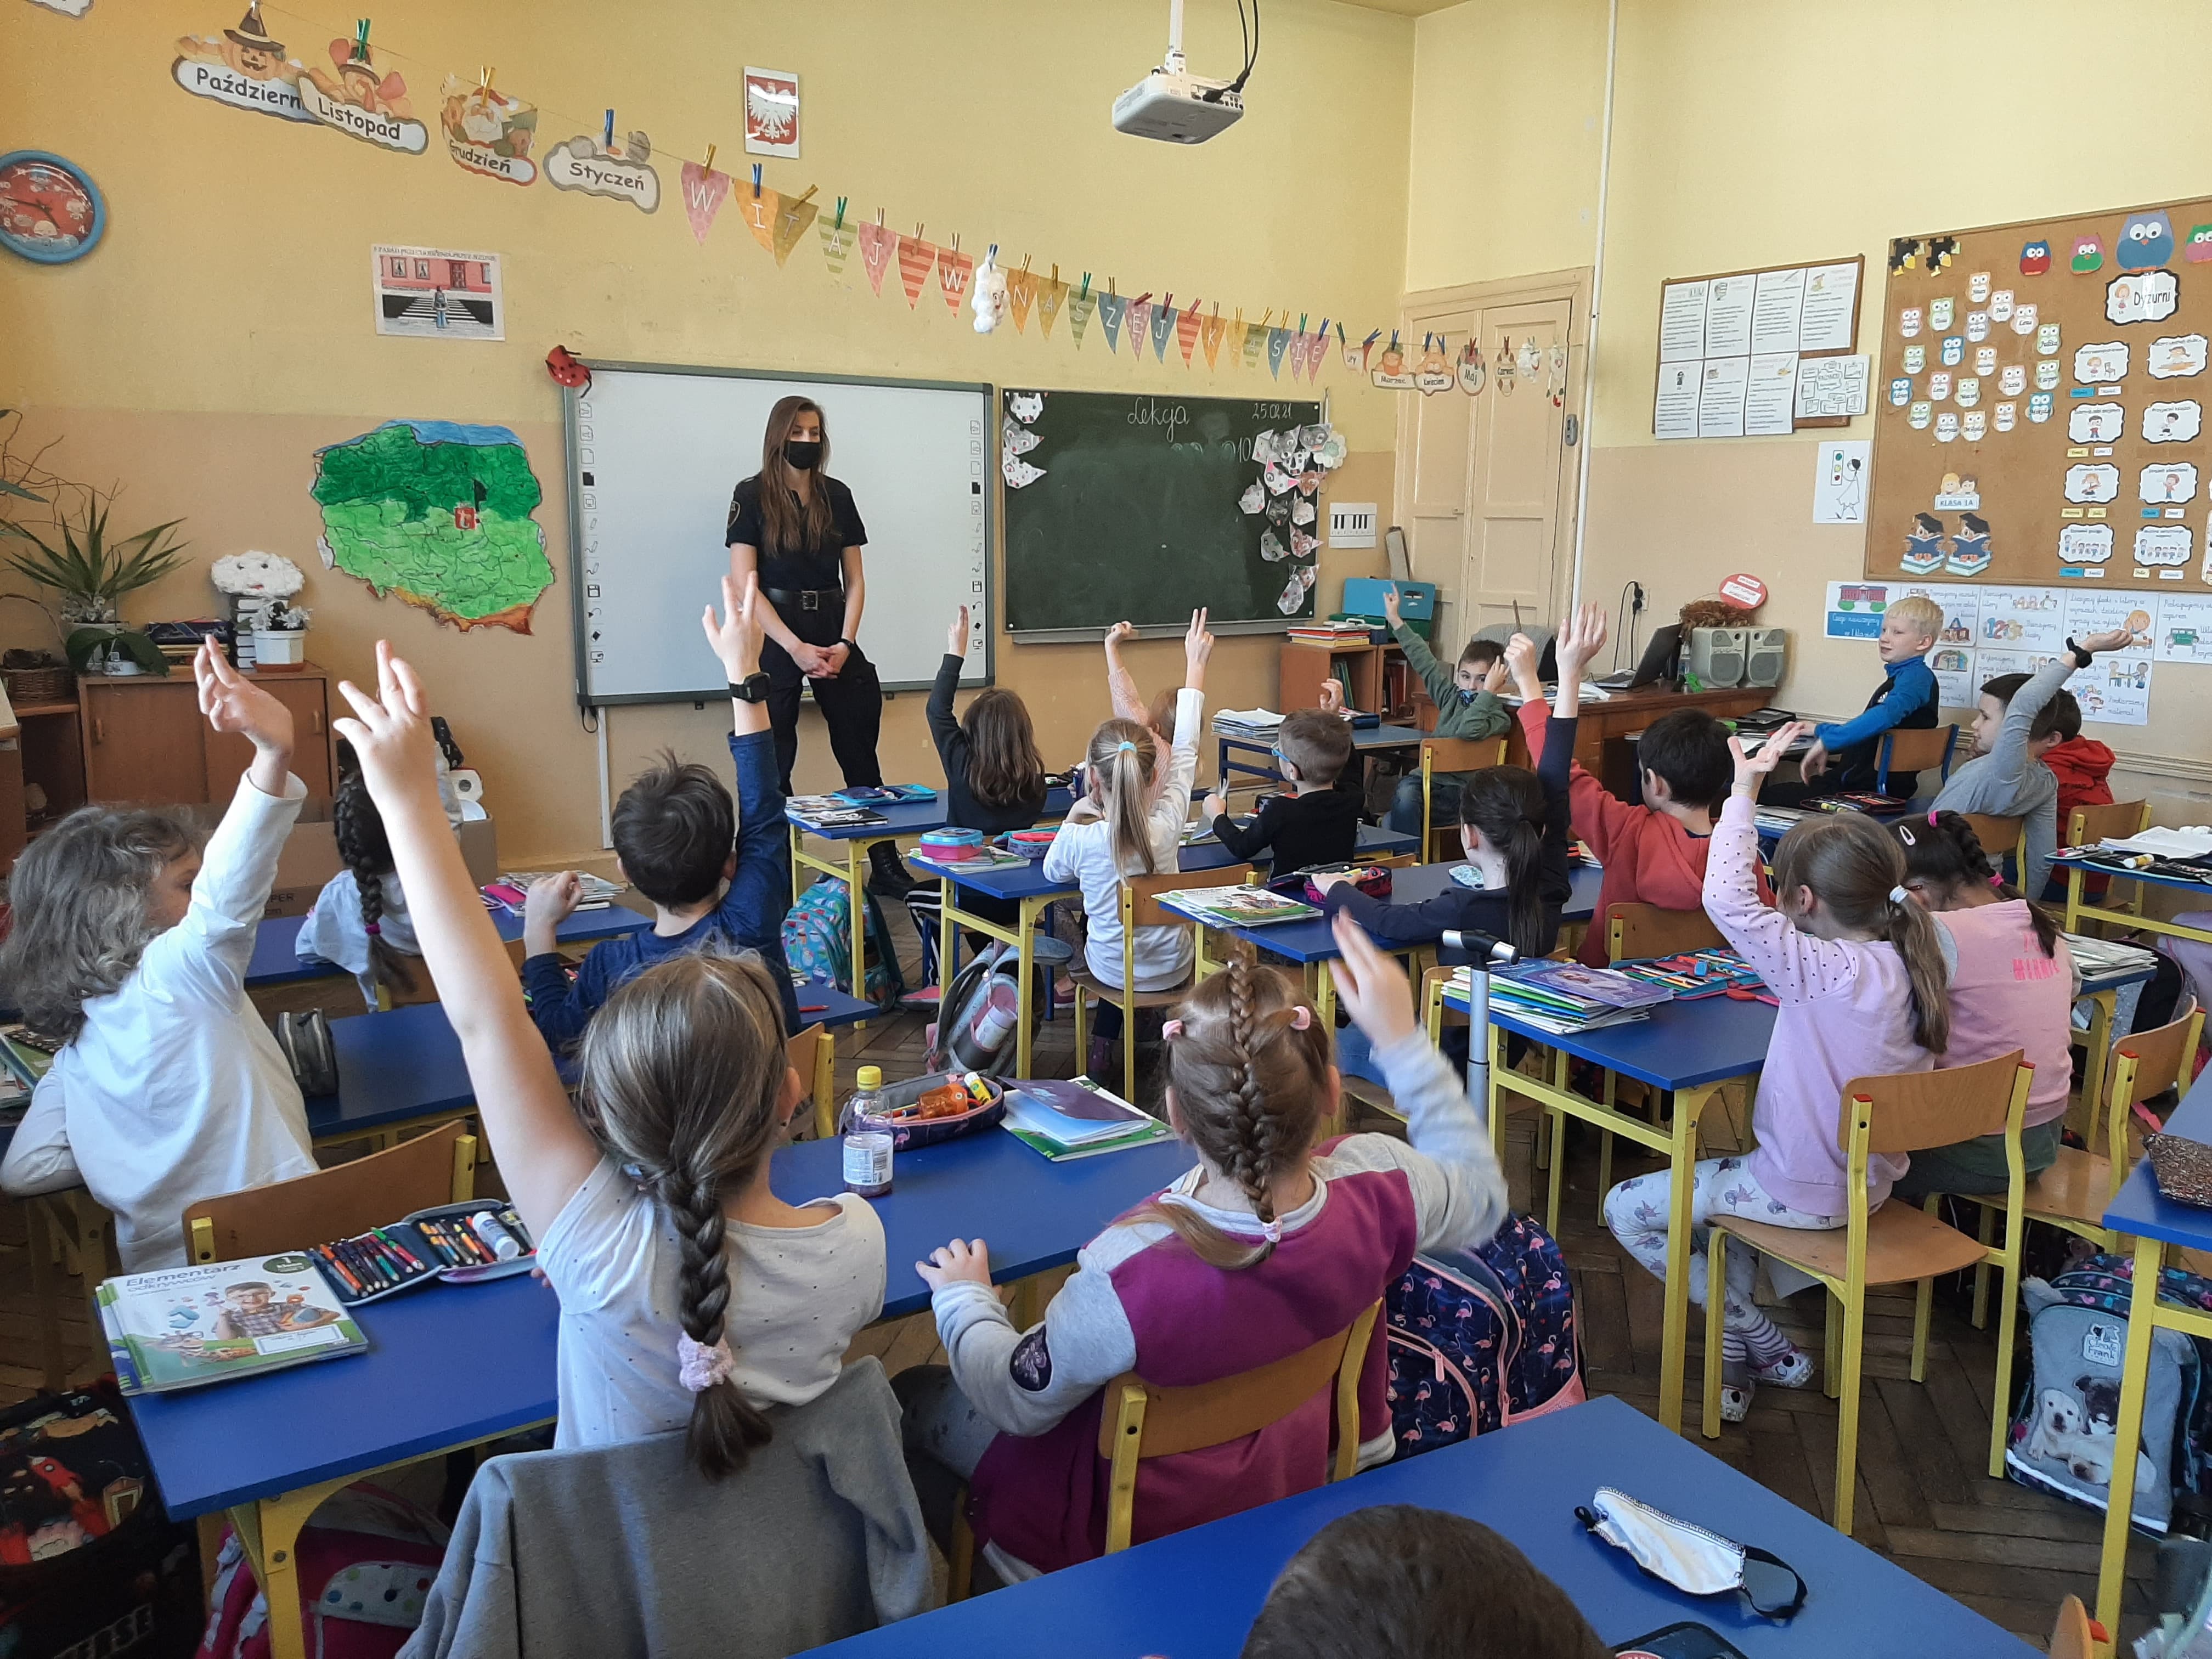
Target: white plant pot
x: 280, y: 651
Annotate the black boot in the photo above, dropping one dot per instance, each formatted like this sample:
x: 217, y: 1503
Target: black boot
x: 888, y: 877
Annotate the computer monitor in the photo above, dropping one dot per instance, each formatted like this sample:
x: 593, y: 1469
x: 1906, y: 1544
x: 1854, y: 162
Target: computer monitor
x: 1656, y: 664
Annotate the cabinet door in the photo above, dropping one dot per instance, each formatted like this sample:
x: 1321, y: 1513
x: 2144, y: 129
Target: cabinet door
x: 141, y: 743
x: 228, y: 757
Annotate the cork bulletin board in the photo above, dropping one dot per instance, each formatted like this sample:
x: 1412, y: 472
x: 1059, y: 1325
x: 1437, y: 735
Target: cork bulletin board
x: 2040, y: 415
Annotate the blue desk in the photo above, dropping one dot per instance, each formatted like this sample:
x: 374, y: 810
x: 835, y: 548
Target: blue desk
x: 276, y: 960
x: 908, y: 818
x: 1195, y: 1595
x: 1365, y: 741
x: 395, y: 1068
x: 2156, y: 1224
x: 452, y: 1365
x: 2077, y: 905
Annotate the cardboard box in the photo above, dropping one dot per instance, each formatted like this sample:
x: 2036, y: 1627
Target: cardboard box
x: 311, y: 858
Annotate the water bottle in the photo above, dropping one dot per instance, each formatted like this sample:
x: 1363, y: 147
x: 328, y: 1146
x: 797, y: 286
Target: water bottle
x: 868, y: 1148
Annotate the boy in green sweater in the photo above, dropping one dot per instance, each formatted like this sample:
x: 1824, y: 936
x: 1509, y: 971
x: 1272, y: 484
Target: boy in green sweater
x: 1466, y: 707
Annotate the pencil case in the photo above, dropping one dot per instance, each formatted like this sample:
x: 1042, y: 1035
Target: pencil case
x: 2182, y: 1167
x: 908, y: 1131
x: 446, y: 1241
x: 952, y: 845
x: 1029, y: 843
x: 1372, y: 879
x: 876, y: 794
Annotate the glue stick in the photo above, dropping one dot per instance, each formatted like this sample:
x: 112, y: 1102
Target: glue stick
x: 499, y: 1242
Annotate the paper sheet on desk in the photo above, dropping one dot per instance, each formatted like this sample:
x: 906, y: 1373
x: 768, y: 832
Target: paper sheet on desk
x: 2193, y: 840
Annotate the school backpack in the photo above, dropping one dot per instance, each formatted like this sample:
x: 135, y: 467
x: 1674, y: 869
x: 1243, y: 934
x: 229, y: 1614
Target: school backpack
x: 1481, y: 1339
x: 978, y: 1033
x: 90, y: 1561
x: 366, y: 1563
x: 818, y: 941
x: 2061, y: 1437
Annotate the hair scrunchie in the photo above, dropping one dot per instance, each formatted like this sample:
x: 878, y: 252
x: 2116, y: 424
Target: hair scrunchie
x: 1271, y: 1231
x: 700, y: 1366
x: 1125, y: 744
x: 1899, y: 896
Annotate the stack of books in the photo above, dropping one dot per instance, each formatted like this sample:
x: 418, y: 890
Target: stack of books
x: 1076, y: 1118
x: 1346, y: 630
x: 1564, y: 997
x: 830, y: 812
x: 1777, y: 820
x: 1237, y: 906
x: 509, y: 891
x: 986, y: 857
x: 1247, y: 722
x: 2096, y: 956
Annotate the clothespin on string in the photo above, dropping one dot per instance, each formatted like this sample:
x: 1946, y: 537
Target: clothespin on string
x: 710, y: 158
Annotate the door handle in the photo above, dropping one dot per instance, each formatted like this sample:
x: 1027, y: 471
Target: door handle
x: 99, y: 731
x: 319, y: 720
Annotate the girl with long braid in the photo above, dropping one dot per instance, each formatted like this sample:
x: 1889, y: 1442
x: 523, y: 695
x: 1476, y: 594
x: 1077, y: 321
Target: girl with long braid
x: 691, y: 1296
x: 360, y: 919
x: 1269, y: 1245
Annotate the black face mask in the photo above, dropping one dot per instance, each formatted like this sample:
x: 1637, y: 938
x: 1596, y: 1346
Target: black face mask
x: 804, y: 453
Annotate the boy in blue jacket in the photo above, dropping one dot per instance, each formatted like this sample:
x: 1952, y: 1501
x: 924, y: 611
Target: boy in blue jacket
x: 673, y: 831
x: 1843, y: 752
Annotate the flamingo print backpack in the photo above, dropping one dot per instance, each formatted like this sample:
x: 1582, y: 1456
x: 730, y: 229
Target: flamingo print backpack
x: 1482, y: 1338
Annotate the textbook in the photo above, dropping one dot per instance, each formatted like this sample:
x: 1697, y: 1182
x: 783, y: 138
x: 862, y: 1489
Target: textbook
x: 181, y: 1326
x: 1237, y: 906
x: 1073, y: 1118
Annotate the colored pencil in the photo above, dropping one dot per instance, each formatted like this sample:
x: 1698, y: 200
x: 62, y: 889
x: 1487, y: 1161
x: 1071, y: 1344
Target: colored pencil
x: 404, y: 1253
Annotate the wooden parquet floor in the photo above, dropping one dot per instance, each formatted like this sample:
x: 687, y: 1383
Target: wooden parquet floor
x: 1924, y: 1500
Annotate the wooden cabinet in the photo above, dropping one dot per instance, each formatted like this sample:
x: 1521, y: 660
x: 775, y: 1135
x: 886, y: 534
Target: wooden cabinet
x: 145, y: 742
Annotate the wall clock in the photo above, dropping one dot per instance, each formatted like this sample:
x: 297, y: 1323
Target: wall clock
x: 49, y: 210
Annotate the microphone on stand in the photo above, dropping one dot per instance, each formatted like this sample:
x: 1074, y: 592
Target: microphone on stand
x: 1488, y: 952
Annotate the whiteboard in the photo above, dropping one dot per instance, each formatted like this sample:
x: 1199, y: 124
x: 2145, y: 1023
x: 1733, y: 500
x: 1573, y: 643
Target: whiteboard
x: 653, y: 454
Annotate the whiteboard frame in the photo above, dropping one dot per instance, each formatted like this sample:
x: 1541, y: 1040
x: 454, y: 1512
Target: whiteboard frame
x: 571, y: 395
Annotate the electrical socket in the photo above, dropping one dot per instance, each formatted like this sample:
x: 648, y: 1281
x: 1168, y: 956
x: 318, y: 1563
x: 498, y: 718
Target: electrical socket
x: 1636, y: 598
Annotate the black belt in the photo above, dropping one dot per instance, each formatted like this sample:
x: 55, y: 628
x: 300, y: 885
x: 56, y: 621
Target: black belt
x: 806, y: 598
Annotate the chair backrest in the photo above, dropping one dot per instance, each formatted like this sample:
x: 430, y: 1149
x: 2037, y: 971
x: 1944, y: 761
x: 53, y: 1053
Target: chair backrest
x: 1396, y: 860
x: 1144, y: 1421
x: 1908, y: 1111
x: 1998, y: 835
x: 2087, y: 825
x: 422, y: 989
x: 436, y: 1168
x: 1914, y: 749
x: 2073, y: 1636
x: 1140, y: 895
x: 1461, y: 754
x: 805, y: 1051
x: 2144, y: 1063
x: 1637, y: 931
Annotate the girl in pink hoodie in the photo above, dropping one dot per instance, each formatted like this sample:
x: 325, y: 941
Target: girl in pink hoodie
x: 1858, y: 971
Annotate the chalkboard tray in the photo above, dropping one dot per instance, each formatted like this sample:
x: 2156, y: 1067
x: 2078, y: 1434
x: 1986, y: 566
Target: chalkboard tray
x: 1134, y: 514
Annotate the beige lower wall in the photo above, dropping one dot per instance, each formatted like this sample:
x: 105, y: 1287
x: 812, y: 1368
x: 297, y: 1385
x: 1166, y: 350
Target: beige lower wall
x: 1680, y: 516
x: 241, y: 481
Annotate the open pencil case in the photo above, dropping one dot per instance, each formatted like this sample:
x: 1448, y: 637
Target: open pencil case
x: 459, y: 1241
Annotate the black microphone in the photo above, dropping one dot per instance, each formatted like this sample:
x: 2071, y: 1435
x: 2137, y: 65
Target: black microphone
x: 1490, y: 951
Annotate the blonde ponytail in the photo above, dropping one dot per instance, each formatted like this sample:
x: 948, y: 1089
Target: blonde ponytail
x: 1123, y: 756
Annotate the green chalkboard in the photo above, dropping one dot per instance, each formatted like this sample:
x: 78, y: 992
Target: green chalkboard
x: 1132, y: 510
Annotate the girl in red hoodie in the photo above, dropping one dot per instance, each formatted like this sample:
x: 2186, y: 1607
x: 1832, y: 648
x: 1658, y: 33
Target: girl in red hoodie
x: 1654, y: 853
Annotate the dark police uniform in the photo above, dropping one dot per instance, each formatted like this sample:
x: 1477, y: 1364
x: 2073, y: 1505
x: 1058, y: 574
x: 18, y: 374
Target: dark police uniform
x: 807, y: 585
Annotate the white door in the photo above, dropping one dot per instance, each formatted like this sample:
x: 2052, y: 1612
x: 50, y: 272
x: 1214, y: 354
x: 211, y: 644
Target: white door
x: 1437, y: 482
x: 1515, y: 466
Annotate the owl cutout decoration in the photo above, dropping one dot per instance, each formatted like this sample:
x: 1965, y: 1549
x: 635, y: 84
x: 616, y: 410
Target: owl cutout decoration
x: 2146, y: 242
x: 2088, y: 255
x: 2034, y: 257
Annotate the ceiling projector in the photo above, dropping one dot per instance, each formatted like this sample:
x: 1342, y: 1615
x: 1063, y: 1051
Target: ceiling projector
x: 1180, y: 107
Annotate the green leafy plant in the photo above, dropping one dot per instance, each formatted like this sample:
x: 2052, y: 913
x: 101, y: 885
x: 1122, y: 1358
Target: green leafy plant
x: 77, y: 559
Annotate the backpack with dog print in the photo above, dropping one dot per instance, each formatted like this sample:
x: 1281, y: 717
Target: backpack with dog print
x: 1479, y: 1338
x: 2062, y: 1436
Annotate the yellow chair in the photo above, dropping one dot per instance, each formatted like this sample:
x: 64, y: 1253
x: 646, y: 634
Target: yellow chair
x: 1914, y: 750
x: 1449, y: 755
x: 1141, y: 908
x: 2086, y: 826
x: 1635, y: 932
x: 436, y: 1168
x: 2000, y: 838
x: 813, y: 1055
x: 1896, y: 1244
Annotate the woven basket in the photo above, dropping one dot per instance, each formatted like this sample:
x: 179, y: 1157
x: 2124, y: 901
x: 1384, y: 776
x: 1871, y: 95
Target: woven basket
x: 38, y: 685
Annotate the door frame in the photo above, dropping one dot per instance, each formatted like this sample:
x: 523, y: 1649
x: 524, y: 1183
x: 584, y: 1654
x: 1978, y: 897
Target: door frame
x: 1571, y: 285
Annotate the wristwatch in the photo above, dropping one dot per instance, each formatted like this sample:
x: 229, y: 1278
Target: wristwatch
x: 2081, y: 658
x: 751, y: 689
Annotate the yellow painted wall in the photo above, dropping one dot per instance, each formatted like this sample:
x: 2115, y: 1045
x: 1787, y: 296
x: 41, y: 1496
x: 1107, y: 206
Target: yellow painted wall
x: 1750, y: 134
x: 223, y: 330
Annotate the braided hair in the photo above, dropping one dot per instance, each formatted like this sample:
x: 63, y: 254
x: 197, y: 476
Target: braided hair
x: 1942, y: 851
x: 358, y: 827
x: 1249, y: 1075
x: 684, y: 1081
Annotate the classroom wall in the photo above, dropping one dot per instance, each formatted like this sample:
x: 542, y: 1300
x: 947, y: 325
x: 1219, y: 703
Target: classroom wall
x: 1749, y: 133
x: 223, y: 331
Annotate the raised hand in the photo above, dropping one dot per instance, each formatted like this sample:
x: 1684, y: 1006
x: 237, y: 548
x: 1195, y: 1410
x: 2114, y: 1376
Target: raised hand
x: 1581, y: 639
x: 2117, y: 639
x: 956, y: 636
x: 1390, y: 604
x: 236, y: 705
x: 1197, y: 647
x: 1372, y: 987
x: 1214, y: 805
x: 735, y: 636
x: 391, y: 732
x: 1752, y: 770
x: 1118, y: 635
x: 1331, y: 696
x: 553, y: 898
x: 1520, y: 660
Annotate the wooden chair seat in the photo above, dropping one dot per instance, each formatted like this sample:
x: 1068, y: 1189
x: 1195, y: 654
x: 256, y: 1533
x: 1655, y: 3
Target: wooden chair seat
x: 1903, y: 1244
x: 2076, y: 1188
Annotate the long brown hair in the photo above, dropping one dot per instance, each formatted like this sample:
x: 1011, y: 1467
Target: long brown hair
x: 1123, y: 756
x: 1854, y: 867
x: 684, y: 1070
x: 1250, y: 1087
x: 1004, y: 767
x: 793, y: 526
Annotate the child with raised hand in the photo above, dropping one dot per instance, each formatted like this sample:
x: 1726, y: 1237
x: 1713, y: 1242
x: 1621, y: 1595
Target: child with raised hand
x: 131, y: 941
x: 1129, y: 823
x: 1514, y: 825
x: 1466, y: 696
x: 360, y: 919
x: 1856, y: 968
x: 1314, y: 822
x: 673, y: 831
x: 2015, y: 724
x: 993, y: 775
x: 1655, y: 852
x: 1157, y: 715
x: 1269, y: 1245
x: 2012, y: 986
x: 691, y: 1296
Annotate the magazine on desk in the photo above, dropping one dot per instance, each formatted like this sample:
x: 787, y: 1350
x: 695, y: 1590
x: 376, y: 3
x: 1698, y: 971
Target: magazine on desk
x: 182, y: 1327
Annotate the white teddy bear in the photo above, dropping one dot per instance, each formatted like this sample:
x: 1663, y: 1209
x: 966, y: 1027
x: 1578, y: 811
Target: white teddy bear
x: 988, y: 296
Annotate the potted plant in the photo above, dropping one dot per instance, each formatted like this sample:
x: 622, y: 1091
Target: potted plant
x: 280, y: 638
x: 73, y: 555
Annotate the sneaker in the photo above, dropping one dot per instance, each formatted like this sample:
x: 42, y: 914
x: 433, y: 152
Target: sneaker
x: 1793, y: 1369
x: 1737, y: 1387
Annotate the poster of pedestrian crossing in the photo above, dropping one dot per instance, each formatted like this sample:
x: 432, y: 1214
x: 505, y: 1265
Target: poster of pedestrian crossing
x: 438, y: 293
